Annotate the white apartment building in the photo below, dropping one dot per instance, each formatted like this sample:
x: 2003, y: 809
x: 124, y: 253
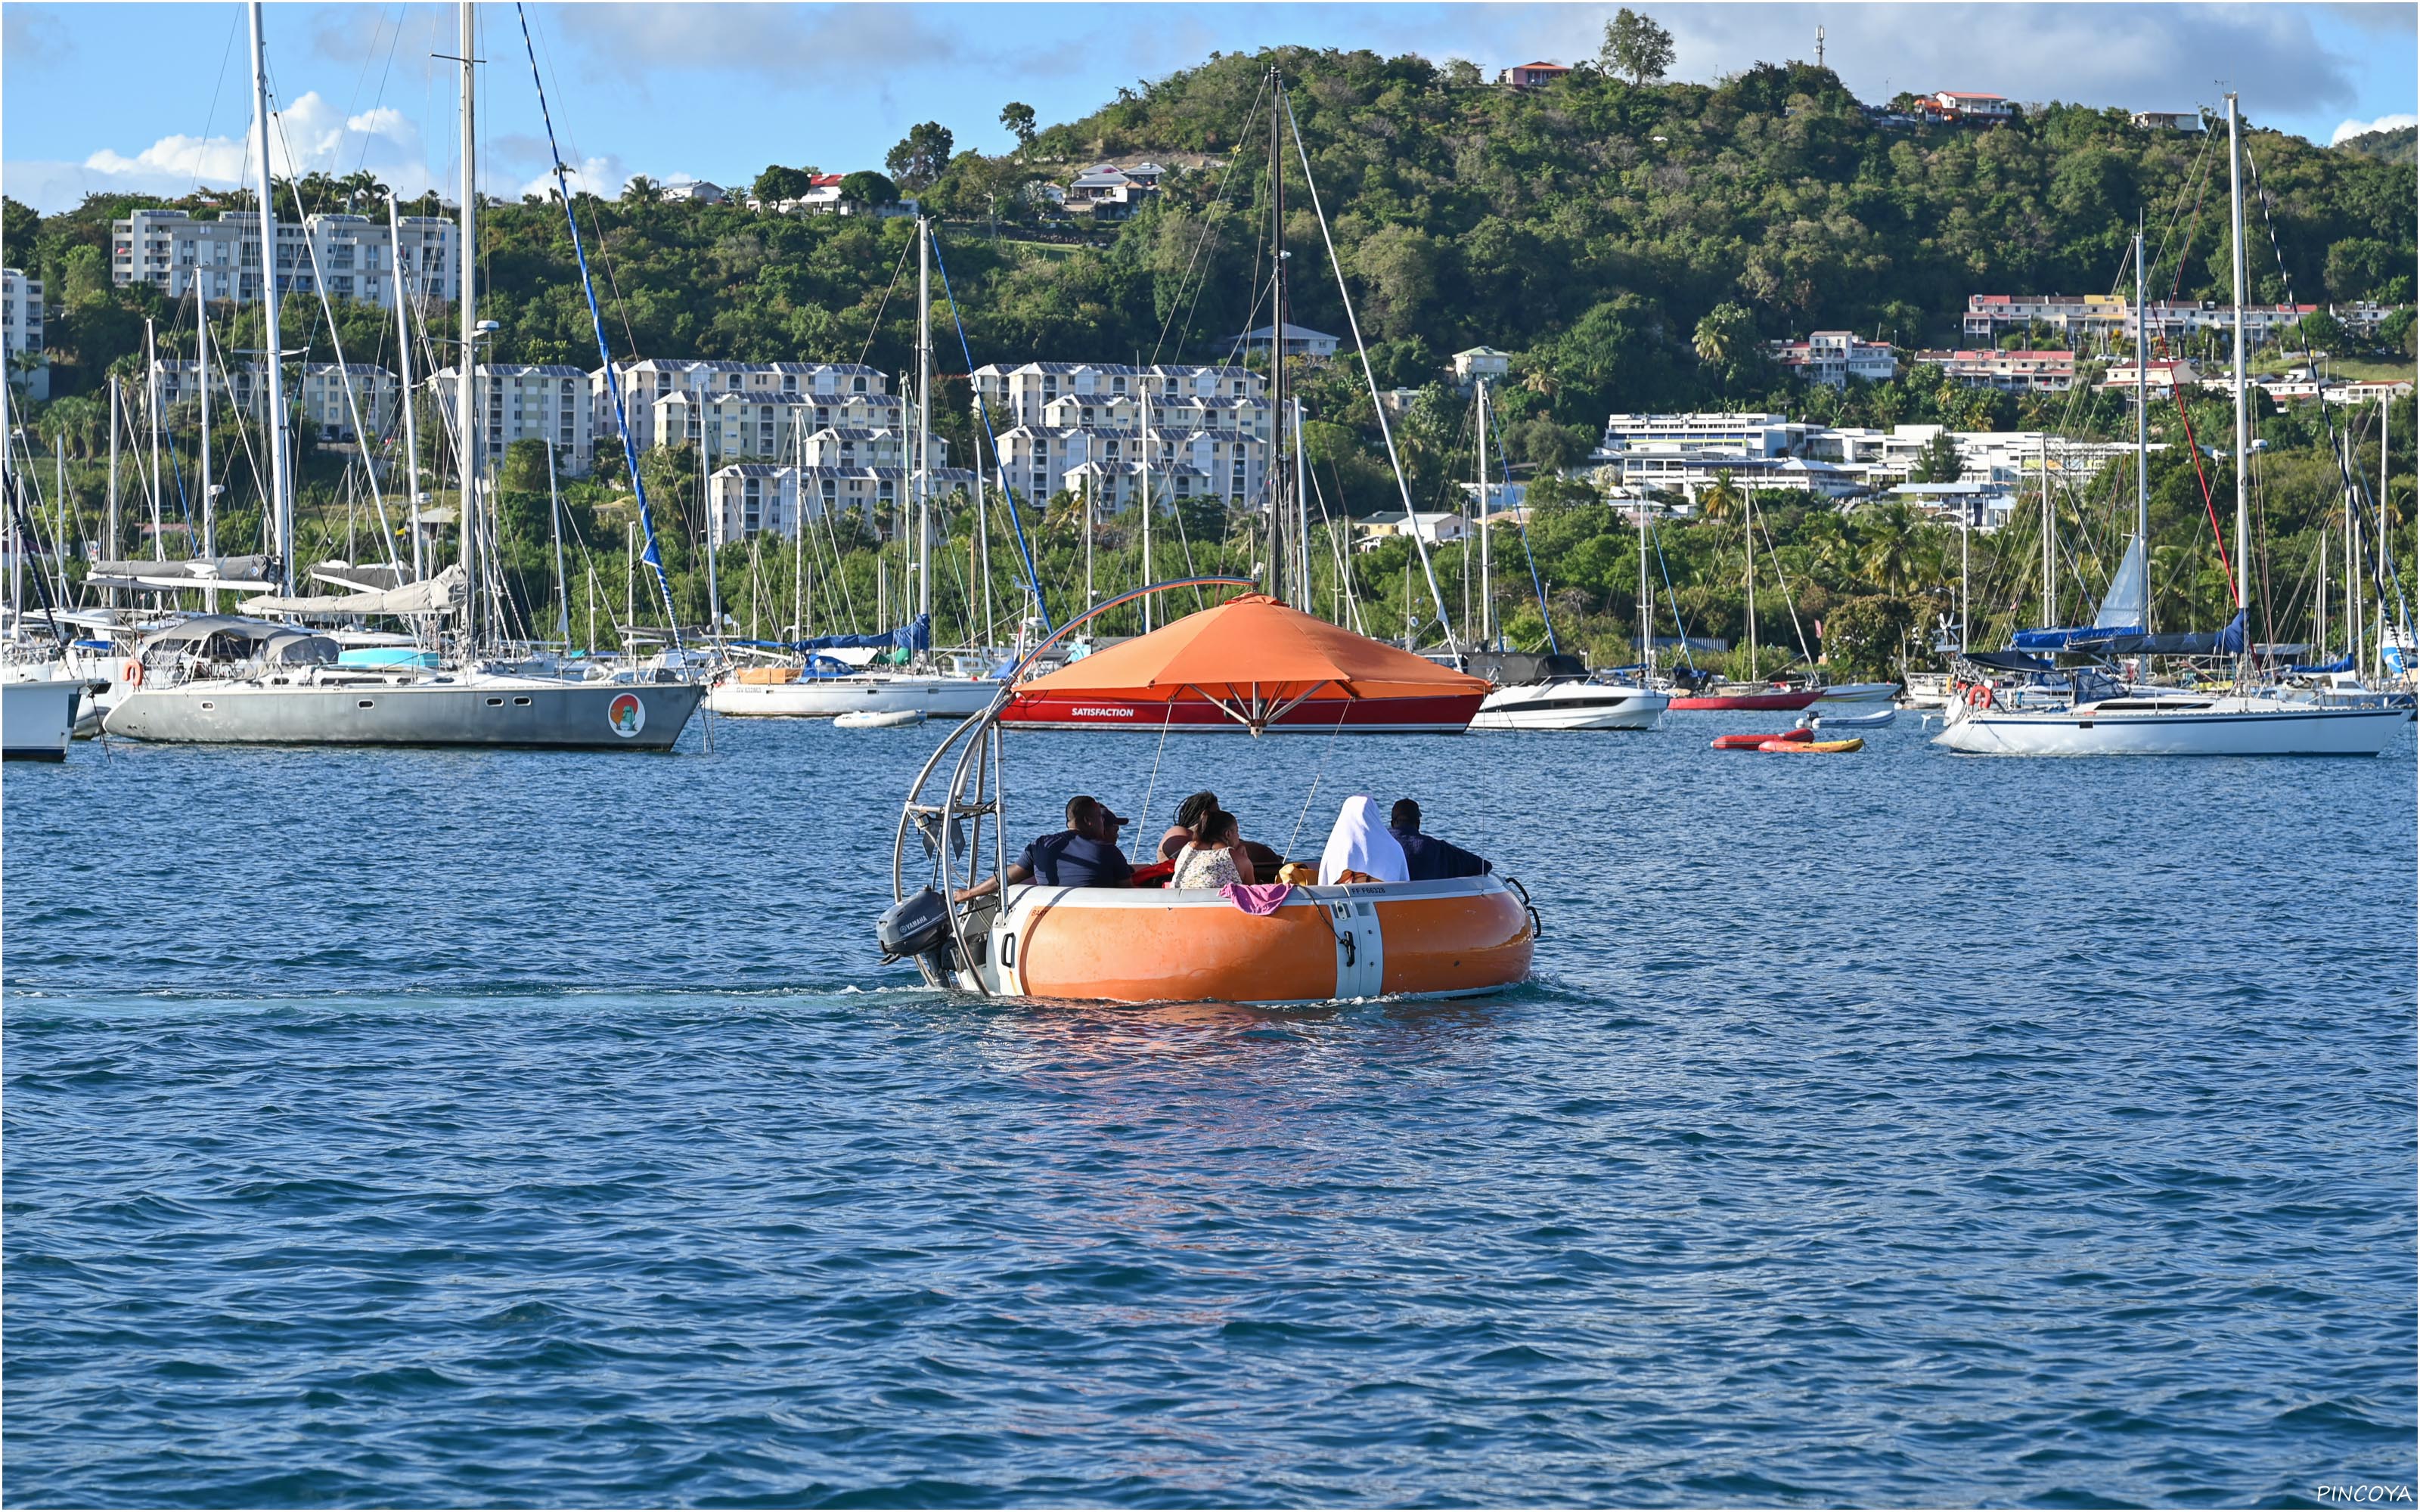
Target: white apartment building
x: 315, y: 392
x: 527, y: 402
x: 22, y: 300
x: 356, y: 256
x: 1751, y: 435
x: 736, y: 423
x: 2111, y: 316
x: 1187, y: 463
x: 1833, y: 357
x: 1018, y: 395
x: 826, y: 387
x: 2012, y: 372
x: 759, y: 497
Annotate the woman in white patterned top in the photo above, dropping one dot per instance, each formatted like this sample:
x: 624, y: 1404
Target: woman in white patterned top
x: 1215, y: 858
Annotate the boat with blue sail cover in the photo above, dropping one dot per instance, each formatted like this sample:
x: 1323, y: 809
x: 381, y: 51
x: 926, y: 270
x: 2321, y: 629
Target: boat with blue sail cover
x: 2098, y: 708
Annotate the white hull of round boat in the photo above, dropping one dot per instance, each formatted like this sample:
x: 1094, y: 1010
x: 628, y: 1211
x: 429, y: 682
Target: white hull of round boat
x: 2224, y: 727
x: 1572, y: 707
x: 827, y: 698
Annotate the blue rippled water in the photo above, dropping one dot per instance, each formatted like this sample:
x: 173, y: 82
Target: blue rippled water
x: 440, y: 1129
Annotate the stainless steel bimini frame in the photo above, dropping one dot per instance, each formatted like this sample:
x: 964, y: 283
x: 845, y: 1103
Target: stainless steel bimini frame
x: 977, y: 791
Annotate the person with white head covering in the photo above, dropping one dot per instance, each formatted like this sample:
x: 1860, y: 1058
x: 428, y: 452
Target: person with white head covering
x: 1362, y: 844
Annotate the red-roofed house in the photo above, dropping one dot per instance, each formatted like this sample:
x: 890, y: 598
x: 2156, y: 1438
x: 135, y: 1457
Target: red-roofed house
x: 1530, y: 75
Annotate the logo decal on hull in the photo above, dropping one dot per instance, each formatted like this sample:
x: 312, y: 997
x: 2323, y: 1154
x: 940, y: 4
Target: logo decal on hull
x: 627, y: 713
x: 1089, y: 712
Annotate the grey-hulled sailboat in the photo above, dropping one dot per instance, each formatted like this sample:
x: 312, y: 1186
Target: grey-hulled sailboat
x: 227, y: 680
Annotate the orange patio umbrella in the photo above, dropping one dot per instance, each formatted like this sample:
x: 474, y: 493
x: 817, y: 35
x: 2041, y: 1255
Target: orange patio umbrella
x: 1256, y: 662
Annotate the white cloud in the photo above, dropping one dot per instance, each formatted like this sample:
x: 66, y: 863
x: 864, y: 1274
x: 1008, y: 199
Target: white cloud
x: 601, y: 176
x: 2384, y: 123
x: 311, y: 135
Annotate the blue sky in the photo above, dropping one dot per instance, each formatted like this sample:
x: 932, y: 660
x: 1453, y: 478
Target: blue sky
x: 153, y: 98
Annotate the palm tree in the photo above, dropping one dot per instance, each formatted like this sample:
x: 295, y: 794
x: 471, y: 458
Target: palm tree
x: 1890, y: 541
x: 1715, y: 344
x: 643, y: 189
x: 1543, y: 382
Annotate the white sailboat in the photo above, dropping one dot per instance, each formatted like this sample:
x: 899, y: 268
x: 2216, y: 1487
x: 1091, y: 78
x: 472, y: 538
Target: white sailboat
x: 803, y: 691
x: 1550, y: 691
x: 2084, y: 712
x: 229, y: 680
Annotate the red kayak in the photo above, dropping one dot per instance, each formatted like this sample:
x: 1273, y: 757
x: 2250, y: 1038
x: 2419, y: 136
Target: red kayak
x: 1753, y: 742
x: 1774, y: 699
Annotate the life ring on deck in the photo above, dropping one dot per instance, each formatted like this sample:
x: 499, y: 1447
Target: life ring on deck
x: 131, y: 673
x: 1980, y: 696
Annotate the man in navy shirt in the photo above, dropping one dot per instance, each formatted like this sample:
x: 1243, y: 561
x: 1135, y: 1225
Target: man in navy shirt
x: 1430, y: 858
x: 1083, y: 855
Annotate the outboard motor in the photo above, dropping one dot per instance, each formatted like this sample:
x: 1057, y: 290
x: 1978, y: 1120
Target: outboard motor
x: 918, y: 927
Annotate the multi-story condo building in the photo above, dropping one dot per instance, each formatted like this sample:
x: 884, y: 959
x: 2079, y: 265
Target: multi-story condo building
x: 2111, y: 316
x: 1751, y: 435
x: 317, y: 392
x: 752, y: 498
x: 1071, y: 426
x: 1187, y: 463
x: 2015, y: 372
x: 834, y: 394
x: 737, y: 423
x: 546, y: 404
x: 1833, y: 357
x: 1018, y: 395
x: 354, y: 257
x: 30, y: 365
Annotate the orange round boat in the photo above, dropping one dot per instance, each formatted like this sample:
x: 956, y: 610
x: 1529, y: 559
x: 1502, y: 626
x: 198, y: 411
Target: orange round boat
x: 1454, y: 937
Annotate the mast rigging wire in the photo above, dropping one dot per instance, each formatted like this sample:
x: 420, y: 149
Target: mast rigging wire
x: 652, y: 555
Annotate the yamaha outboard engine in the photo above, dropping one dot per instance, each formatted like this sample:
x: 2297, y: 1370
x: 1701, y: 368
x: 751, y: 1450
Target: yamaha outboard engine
x: 918, y: 926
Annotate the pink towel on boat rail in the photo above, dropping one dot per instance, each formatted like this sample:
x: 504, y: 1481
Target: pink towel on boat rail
x: 1261, y: 898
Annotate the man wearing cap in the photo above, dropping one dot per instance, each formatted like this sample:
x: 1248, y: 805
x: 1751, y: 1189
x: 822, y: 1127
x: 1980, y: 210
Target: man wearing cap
x: 1083, y: 855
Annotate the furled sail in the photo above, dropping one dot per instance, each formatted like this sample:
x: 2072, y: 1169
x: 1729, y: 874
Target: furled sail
x: 440, y: 594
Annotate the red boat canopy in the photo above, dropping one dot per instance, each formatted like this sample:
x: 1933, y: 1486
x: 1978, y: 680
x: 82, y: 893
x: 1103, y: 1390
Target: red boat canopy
x: 1255, y: 659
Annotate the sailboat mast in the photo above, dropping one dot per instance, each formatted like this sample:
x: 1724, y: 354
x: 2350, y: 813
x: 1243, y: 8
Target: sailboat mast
x: 1646, y: 615
x: 713, y: 525
x: 202, y: 379
x: 115, y: 544
x: 1747, y: 513
x: 1278, y: 489
x: 2050, y: 531
x: 151, y: 405
x: 1486, y: 567
x: 2242, y: 444
x: 403, y: 388
x: 554, y: 518
x: 1146, y: 501
x: 2142, y: 428
x: 466, y: 382
x: 281, y: 497
x: 923, y: 417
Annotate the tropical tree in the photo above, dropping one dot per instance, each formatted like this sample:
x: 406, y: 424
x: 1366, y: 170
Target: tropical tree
x: 1018, y: 118
x: 920, y: 155
x: 1889, y: 531
x: 1637, y: 47
x: 866, y: 186
x: 777, y: 183
x: 643, y: 189
x: 1724, y: 334
x: 1939, y: 461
